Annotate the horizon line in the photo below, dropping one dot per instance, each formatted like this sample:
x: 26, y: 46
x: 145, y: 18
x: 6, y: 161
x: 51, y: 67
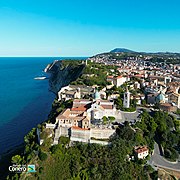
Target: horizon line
x: 45, y: 56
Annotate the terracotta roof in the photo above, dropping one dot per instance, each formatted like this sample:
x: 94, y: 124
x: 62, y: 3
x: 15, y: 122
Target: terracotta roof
x: 81, y: 100
x: 79, y: 108
x: 110, y: 77
x: 107, y: 106
x: 78, y: 128
x: 64, y: 114
x: 118, y: 77
x: 68, y: 114
x: 166, y: 104
x: 141, y: 149
x: 139, y: 75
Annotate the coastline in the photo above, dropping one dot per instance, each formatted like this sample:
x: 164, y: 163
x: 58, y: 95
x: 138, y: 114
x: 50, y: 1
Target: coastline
x: 42, y: 153
x: 5, y: 157
x: 24, y: 121
x: 25, y: 102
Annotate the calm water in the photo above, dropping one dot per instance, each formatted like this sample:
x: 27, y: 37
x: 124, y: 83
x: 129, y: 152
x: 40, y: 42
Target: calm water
x: 24, y: 102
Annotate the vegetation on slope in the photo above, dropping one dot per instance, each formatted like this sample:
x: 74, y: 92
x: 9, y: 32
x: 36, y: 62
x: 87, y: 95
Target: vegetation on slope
x: 93, y: 161
x: 84, y: 161
x: 165, y: 129
x: 95, y: 74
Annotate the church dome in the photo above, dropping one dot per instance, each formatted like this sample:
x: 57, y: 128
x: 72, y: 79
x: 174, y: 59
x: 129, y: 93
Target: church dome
x: 160, y: 97
x: 96, y: 95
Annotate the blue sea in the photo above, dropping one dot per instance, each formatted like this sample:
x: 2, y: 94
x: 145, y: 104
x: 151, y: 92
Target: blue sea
x: 24, y: 101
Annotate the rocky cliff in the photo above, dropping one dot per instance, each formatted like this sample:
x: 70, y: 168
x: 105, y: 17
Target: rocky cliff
x: 63, y: 73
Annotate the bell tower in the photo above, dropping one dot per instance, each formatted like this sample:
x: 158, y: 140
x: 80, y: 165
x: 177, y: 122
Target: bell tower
x: 126, y: 101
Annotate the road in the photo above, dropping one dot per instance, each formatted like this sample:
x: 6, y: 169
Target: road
x: 160, y: 161
x: 131, y: 116
x: 156, y: 159
x: 175, y: 115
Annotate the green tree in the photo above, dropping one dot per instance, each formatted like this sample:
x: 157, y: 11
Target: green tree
x: 105, y: 120
x: 42, y: 156
x: 139, y: 140
x: 111, y: 118
x: 17, y: 159
x: 119, y: 103
x: 64, y: 140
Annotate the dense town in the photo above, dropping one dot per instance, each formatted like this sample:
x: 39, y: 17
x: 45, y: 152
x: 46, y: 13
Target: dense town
x: 131, y: 100
x: 160, y: 81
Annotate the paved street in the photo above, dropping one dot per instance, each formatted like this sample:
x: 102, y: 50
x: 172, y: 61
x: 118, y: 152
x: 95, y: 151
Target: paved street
x: 156, y: 159
x: 131, y: 116
x: 175, y: 115
x: 159, y: 161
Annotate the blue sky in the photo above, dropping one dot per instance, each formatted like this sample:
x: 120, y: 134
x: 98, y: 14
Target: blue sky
x: 85, y: 28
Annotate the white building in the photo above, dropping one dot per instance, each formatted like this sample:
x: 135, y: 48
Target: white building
x: 117, y: 81
x: 137, y: 85
x: 101, y: 108
x: 120, y: 80
x: 174, y: 98
x: 67, y: 93
x: 141, y: 152
x: 126, y: 101
x: 167, y: 80
x: 75, y: 122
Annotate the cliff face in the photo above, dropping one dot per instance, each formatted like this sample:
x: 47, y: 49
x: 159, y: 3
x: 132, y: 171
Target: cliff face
x: 62, y: 75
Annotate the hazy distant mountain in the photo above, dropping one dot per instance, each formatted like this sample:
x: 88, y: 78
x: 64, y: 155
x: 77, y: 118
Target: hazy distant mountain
x: 120, y: 50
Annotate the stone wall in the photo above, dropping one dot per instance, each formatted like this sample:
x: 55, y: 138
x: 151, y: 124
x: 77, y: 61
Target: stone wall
x: 64, y: 131
x: 40, y: 141
x: 98, y: 133
x: 80, y: 135
x: 99, y: 142
x: 50, y: 126
x: 84, y: 135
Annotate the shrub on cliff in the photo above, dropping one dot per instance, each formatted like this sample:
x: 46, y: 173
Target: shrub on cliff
x: 42, y: 156
x: 17, y: 159
x: 64, y: 140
